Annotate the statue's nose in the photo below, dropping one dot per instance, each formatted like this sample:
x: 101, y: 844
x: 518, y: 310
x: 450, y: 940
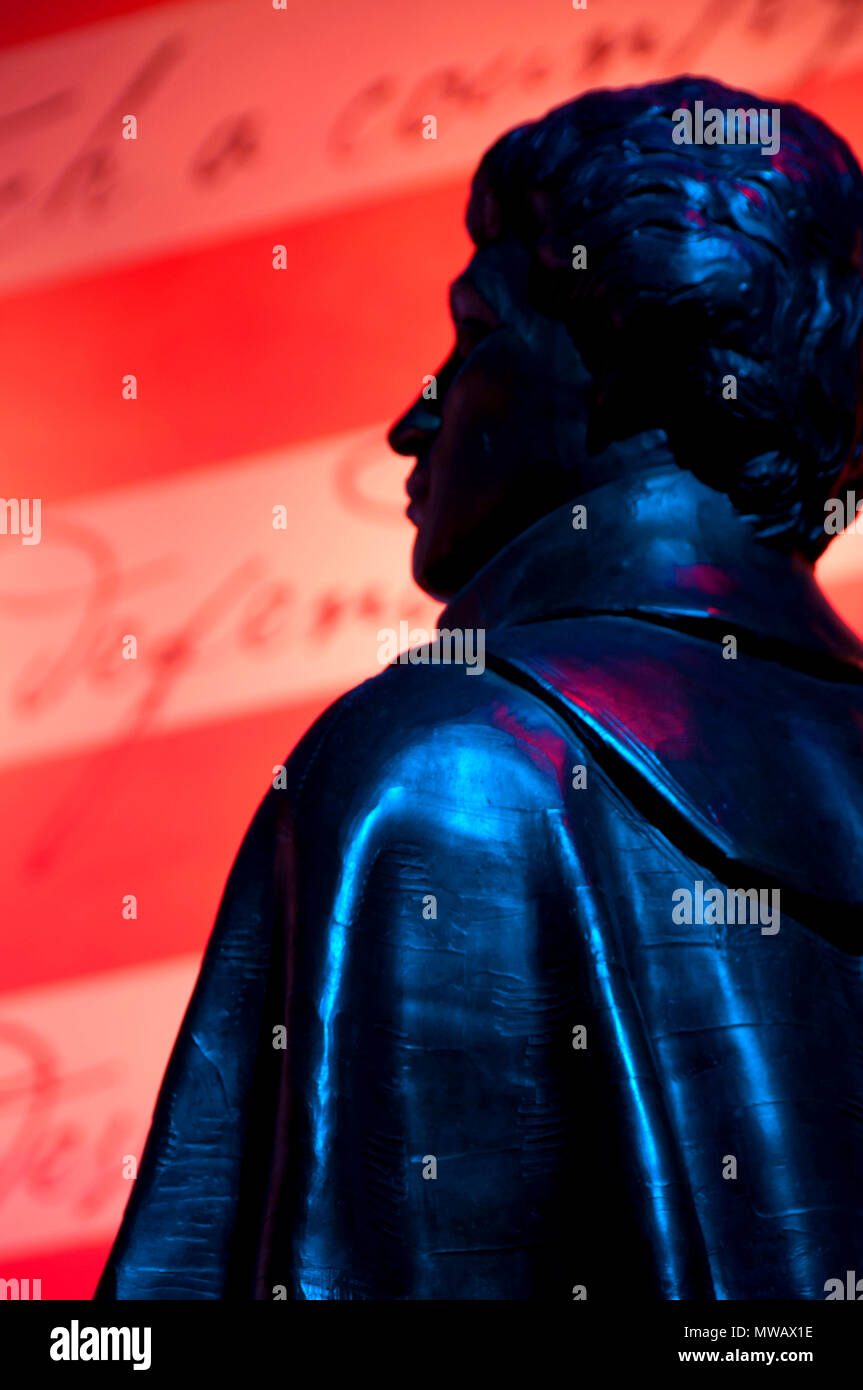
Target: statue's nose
x: 412, y: 434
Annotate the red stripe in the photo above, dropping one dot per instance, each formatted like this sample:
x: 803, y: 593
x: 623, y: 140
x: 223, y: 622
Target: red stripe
x: 64, y: 1273
x: 231, y: 356
x: 162, y: 818
x: 36, y: 19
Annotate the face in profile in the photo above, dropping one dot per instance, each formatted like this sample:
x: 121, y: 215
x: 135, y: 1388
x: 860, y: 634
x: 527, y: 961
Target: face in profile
x: 502, y: 442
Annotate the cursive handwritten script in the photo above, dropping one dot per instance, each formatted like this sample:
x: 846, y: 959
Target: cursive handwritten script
x: 51, y: 1150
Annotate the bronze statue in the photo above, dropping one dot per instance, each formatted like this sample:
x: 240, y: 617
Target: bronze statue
x: 536, y: 983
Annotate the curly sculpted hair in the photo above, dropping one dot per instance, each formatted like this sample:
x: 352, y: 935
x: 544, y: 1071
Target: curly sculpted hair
x: 701, y: 262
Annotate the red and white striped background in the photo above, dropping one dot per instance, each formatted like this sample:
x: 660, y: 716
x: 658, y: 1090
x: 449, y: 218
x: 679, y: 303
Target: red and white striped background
x: 257, y: 126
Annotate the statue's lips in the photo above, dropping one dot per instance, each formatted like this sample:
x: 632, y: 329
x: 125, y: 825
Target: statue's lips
x: 417, y: 489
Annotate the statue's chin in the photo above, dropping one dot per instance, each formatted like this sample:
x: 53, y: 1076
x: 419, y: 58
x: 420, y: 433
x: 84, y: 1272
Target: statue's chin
x: 429, y: 578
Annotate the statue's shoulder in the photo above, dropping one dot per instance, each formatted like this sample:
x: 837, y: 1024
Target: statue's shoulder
x: 472, y: 735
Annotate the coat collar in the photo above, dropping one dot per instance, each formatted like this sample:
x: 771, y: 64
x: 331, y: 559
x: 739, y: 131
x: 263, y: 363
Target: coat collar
x: 663, y: 545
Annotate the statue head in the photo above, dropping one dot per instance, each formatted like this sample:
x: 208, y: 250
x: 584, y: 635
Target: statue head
x: 659, y: 275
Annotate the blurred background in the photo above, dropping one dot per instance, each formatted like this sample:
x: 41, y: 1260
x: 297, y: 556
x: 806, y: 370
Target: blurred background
x: 126, y: 785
